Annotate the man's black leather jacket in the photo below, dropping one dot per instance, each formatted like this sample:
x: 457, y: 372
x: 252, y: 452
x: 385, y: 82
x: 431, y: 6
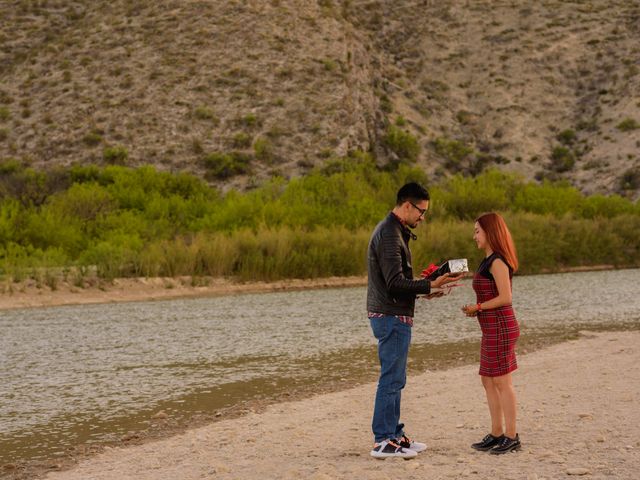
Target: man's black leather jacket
x: 391, y: 287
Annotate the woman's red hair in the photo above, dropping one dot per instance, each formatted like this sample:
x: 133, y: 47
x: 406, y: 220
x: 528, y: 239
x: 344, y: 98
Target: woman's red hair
x: 499, y: 237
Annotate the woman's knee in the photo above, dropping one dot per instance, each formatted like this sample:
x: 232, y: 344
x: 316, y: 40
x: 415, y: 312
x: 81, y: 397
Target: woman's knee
x: 487, y: 382
x: 502, y: 383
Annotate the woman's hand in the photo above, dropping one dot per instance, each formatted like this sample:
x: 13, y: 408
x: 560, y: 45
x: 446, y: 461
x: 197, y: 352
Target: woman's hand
x: 470, y: 310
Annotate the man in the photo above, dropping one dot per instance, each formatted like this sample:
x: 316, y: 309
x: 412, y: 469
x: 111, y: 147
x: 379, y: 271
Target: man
x: 391, y: 295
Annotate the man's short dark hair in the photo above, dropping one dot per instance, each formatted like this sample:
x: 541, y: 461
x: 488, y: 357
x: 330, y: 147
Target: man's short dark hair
x: 412, y: 192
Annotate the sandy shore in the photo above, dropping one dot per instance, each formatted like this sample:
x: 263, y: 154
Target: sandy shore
x: 578, y: 416
x: 29, y: 294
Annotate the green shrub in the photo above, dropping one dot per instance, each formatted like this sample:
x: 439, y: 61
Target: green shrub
x: 86, y: 201
x: 263, y: 150
x: 205, y: 113
x: 482, y: 161
x: 401, y: 121
x: 92, y: 139
x: 549, y: 198
x: 600, y: 206
x: 464, y: 117
x: 434, y: 88
x: 627, y: 125
x: 404, y: 145
x: 630, y: 179
x: 196, y: 146
x: 116, y: 256
x: 27, y: 185
x: 5, y: 114
x: 329, y: 64
x: 225, y: 165
x: 10, y: 166
x: 241, y: 140
x: 570, y: 242
x: 454, y: 152
x: 466, y: 198
x: 385, y: 104
x: 49, y: 228
x: 250, y: 120
x: 117, y: 155
x: 590, y: 125
x: 10, y: 214
x: 562, y: 159
x: 567, y: 137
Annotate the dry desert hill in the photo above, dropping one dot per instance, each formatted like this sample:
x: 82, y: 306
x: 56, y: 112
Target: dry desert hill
x: 239, y: 90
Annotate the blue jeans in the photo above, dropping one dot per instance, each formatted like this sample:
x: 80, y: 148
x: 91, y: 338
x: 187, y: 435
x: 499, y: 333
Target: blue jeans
x: 394, y: 338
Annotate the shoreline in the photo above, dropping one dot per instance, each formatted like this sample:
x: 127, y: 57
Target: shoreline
x: 28, y: 295
x: 576, y: 414
x: 32, y: 294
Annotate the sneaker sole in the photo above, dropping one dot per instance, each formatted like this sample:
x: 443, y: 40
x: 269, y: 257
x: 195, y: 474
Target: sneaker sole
x: 384, y: 456
x: 514, y: 449
x: 418, y: 450
x: 482, y: 449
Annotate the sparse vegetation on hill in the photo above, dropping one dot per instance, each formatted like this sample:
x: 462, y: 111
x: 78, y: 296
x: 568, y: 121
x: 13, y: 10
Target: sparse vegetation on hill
x: 238, y: 91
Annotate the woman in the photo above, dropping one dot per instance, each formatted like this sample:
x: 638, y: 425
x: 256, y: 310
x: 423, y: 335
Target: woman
x: 500, y: 331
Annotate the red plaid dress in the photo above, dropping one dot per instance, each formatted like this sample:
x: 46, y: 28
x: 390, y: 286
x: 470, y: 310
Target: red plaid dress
x: 500, y: 330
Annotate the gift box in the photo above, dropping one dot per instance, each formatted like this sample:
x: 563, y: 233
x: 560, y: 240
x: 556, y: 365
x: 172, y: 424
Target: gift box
x: 457, y: 265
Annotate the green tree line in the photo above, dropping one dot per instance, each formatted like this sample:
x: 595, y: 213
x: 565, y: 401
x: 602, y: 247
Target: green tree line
x: 142, y: 222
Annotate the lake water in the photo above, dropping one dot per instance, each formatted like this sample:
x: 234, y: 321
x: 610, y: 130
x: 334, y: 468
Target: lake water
x: 83, y: 374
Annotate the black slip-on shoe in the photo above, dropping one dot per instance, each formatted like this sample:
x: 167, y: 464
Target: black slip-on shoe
x: 487, y: 443
x: 506, y: 445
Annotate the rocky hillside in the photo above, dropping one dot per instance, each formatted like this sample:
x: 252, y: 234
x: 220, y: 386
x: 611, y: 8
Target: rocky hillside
x: 239, y: 90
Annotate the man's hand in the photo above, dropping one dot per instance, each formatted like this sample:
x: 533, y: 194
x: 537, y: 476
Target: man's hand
x: 446, y: 278
x: 437, y: 294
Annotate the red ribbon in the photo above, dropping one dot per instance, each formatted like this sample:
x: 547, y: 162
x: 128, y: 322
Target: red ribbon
x: 429, y: 270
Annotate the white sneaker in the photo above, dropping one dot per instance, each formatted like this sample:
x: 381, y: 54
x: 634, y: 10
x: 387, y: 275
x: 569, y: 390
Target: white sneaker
x: 406, y: 442
x: 391, y: 448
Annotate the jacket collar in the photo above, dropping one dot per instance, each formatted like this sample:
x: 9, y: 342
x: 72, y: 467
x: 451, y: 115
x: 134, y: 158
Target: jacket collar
x: 406, y: 232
